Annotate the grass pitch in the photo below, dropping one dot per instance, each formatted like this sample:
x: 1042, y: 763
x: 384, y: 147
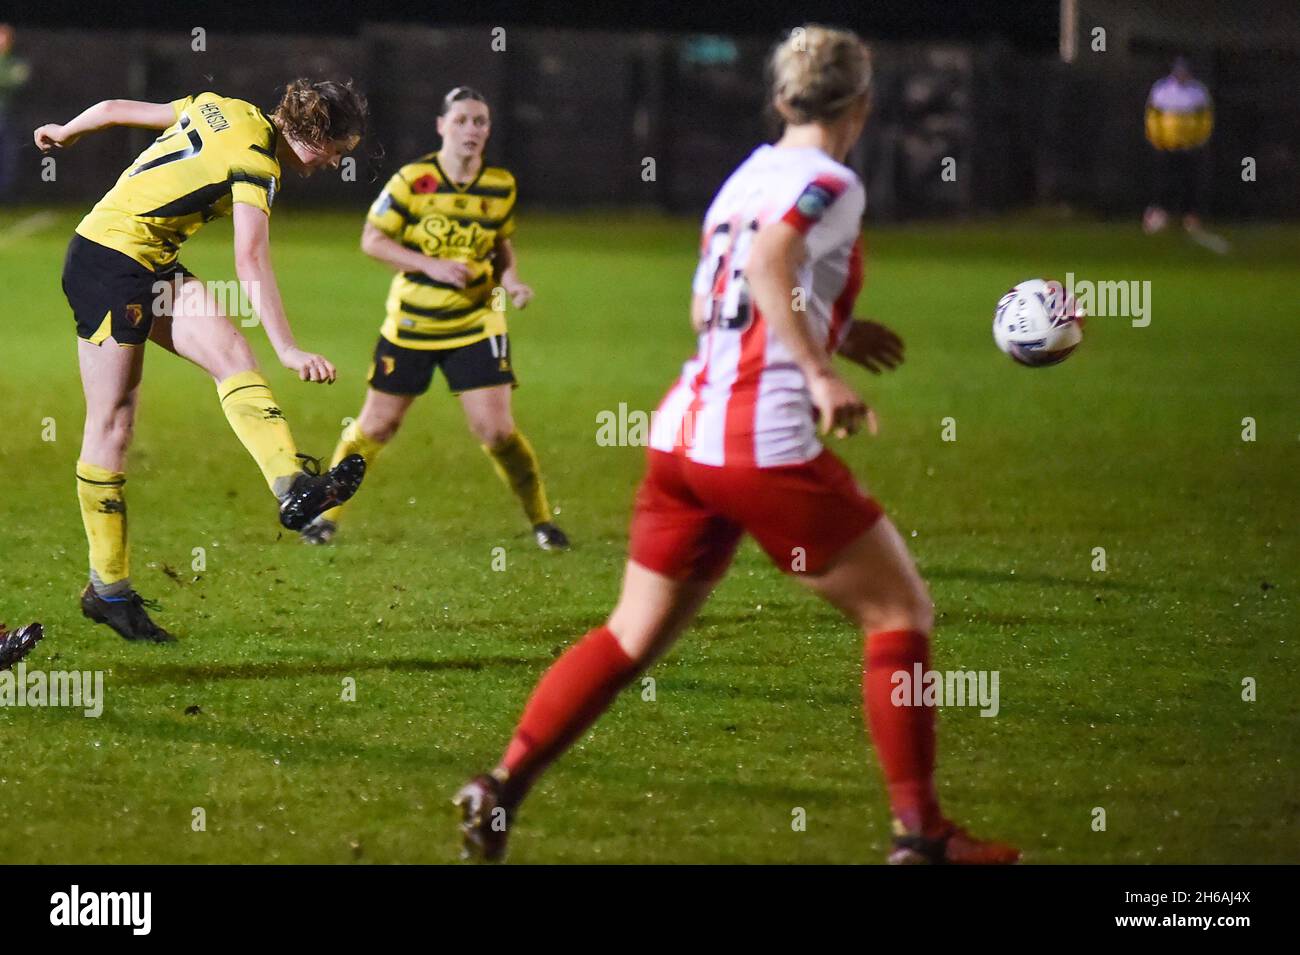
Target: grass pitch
x: 1119, y: 689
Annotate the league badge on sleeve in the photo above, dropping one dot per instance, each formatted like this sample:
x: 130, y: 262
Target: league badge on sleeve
x: 814, y: 201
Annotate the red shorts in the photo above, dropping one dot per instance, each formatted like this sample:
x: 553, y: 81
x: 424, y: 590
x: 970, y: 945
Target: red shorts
x: 689, y: 517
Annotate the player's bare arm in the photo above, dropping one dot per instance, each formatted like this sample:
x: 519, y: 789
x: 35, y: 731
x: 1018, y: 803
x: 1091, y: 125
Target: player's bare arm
x: 256, y: 276
x: 104, y: 115
x: 699, y: 312
x: 392, y: 253
x: 772, y: 273
x: 507, y: 265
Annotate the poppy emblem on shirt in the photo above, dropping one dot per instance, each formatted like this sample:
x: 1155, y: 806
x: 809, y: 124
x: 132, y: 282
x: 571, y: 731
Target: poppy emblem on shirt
x: 425, y: 184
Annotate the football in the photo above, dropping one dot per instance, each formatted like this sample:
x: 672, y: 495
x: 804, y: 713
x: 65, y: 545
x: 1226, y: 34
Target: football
x: 1037, y: 323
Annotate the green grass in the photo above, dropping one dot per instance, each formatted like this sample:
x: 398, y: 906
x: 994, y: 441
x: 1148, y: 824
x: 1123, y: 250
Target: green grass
x: 1119, y: 689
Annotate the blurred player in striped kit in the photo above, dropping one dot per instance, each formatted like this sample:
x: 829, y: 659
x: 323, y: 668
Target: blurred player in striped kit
x: 1179, y: 120
x: 735, y: 450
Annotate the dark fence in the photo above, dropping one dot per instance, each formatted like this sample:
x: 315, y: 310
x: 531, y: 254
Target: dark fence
x: 658, y: 120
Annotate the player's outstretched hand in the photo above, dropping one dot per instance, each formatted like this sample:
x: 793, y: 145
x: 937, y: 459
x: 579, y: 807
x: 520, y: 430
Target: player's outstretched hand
x: 520, y: 294
x: 447, y: 270
x: 308, y: 366
x: 872, y: 345
x: 839, y: 409
x: 51, y: 136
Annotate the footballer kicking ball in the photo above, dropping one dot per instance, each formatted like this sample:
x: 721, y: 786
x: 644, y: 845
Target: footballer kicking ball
x: 1037, y: 323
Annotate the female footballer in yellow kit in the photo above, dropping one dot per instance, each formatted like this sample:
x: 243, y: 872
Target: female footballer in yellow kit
x: 444, y: 223
x: 217, y: 156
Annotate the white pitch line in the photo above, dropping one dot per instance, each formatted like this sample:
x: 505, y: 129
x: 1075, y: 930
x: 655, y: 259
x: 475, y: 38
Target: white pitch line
x: 27, y: 226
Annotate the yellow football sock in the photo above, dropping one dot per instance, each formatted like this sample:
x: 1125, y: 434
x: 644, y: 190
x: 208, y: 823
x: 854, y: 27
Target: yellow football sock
x: 103, y: 512
x: 258, y: 422
x: 353, y: 441
x: 517, y: 466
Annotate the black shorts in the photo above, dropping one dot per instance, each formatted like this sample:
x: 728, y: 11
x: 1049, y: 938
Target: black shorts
x: 111, y: 293
x: 1179, y: 175
x: 409, y: 371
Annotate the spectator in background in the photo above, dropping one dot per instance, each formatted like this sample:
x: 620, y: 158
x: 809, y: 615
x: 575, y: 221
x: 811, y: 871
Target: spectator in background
x: 13, y: 76
x: 1179, y: 119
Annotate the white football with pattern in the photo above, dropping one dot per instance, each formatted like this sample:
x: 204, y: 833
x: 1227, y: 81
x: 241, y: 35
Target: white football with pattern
x: 1037, y: 324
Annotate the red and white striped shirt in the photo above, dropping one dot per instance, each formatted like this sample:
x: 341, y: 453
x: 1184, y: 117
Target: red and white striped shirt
x: 742, y: 401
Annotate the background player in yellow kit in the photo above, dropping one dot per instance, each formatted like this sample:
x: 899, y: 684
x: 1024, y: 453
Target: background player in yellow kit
x: 444, y: 222
x: 1179, y: 121
x: 216, y: 157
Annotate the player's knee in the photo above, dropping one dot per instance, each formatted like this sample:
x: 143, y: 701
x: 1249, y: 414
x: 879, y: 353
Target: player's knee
x: 231, y: 358
x: 381, y: 428
x: 384, y: 431
x: 911, y: 611
x: 493, y: 434
x: 122, y: 433
x: 113, y: 428
x: 635, y: 635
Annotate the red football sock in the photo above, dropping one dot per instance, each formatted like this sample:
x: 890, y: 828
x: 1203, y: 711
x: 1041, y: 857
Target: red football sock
x: 903, y: 735
x: 570, y: 696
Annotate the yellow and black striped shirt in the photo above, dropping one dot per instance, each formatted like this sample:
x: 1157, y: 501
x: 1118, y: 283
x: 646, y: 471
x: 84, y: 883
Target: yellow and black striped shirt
x: 1179, y: 115
x: 219, y: 151
x: 424, y: 210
